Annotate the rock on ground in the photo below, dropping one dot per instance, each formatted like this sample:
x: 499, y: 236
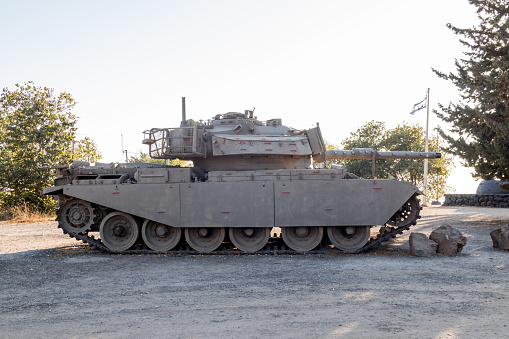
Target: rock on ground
x: 500, y: 238
x: 421, y: 245
x: 450, y: 240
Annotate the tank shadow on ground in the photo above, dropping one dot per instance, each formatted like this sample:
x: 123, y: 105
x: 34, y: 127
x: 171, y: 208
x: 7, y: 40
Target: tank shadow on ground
x: 51, y: 252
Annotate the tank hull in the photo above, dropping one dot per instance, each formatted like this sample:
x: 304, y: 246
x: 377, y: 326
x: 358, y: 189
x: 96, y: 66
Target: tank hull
x: 279, y: 201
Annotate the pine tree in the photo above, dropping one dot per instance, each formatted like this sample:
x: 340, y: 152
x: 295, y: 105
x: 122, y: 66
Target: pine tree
x: 480, y: 120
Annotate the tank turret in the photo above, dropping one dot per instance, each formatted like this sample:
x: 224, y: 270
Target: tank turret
x: 239, y: 141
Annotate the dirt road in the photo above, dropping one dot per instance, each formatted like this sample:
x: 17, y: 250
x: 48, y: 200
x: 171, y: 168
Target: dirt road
x: 51, y: 286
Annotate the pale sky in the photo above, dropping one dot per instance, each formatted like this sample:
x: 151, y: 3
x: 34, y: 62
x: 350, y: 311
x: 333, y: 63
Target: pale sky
x: 339, y: 63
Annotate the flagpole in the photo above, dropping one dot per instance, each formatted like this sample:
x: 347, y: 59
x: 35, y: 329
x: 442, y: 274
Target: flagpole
x: 425, y: 150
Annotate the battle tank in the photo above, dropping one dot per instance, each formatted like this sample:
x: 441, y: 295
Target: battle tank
x: 248, y: 178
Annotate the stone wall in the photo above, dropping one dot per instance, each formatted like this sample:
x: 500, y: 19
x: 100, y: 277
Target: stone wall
x: 488, y: 200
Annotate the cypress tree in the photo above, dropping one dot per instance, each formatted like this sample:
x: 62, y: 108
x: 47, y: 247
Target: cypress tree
x: 480, y: 120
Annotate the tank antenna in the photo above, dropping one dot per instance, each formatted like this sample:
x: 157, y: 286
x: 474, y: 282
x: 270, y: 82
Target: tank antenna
x: 183, y: 110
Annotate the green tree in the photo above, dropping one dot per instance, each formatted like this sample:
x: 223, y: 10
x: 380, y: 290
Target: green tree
x: 369, y: 135
x: 480, y: 120
x: 413, y: 138
x: 403, y: 137
x: 85, y: 150
x: 144, y: 157
x: 37, y: 128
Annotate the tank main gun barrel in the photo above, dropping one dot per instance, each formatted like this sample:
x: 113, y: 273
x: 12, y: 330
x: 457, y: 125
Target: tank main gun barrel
x: 370, y: 154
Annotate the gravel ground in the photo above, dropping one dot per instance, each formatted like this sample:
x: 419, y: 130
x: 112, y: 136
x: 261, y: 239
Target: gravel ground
x: 51, y: 286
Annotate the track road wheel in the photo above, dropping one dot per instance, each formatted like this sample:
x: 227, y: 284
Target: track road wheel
x: 249, y: 239
x: 302, y: 238
x: 76, y: 216
x: 204, y: 239
x: 349, y: 239
x: 407, y: 215
x: 119, y: 231
x: 160, y: 237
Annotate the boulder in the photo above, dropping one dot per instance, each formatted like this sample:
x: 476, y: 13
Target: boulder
x: 450, y: 240
x: 500, y: 238
x: 422, y: 246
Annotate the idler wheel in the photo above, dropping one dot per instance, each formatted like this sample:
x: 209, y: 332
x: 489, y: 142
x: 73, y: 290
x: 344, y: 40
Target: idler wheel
x: 76, y: 216
x: 204, y: 239
x: 302, y: 238
x: 249, y: 239
x: 119, y: 231
x: 348, y: 239
x: 160, y: 237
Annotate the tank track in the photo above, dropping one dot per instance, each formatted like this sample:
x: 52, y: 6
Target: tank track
x: 386, y: 233
x: 274, y: 246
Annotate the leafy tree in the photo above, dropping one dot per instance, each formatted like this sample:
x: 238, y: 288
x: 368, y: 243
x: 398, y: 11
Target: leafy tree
x: 401, y: 138
x: 480, y: 120
x: 86, y: 150
x: 370, y: 135
x: 413, y: 138
x: 405, y: 138
x: 144, y: 157
x: 37, y: 128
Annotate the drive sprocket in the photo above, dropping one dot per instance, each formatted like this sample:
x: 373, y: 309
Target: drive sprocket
x: 407, y: 215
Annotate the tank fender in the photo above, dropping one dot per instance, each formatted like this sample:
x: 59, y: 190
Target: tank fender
x: 54, y: 190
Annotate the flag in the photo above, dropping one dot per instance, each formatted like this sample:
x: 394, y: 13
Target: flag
x: 420, y: 105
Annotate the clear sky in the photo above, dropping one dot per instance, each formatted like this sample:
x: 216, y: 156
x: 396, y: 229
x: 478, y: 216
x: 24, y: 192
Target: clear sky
x: 340, y: 63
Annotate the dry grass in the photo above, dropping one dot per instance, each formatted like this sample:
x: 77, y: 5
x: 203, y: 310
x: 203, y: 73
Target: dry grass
x: 21, y: 214
x: 79, y: 249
